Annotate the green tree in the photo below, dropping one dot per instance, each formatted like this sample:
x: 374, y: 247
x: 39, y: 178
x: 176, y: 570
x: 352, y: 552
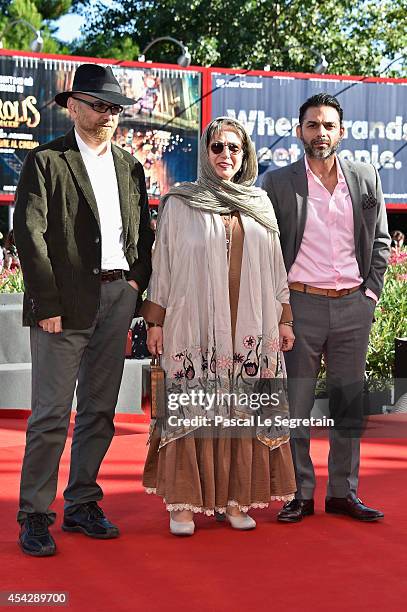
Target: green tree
x: 106, y: 44
x: 38, y: 13
x: 354, y: 35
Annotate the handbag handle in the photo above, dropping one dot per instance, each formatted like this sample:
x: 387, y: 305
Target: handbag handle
x: 156, y: 360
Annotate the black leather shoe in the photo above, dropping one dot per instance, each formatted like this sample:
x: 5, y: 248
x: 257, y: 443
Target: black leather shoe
x: 89, y: 519
x: 295, y: 510
x: 35, y: 539
x: 352, y: 506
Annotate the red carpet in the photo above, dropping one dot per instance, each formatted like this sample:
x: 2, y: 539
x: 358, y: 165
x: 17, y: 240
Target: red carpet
x: 325, y: 563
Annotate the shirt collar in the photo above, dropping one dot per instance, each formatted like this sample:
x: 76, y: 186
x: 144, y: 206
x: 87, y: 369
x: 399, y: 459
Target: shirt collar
x: 87, y: 150
x: 340, y: 175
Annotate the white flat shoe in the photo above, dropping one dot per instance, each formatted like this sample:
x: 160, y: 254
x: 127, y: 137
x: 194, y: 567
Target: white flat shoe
x: 182, y: 529
x: 243, y: 521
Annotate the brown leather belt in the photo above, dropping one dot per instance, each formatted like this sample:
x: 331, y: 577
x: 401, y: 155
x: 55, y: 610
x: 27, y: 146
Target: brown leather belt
x: 107, y: 276
x: 334, y: 293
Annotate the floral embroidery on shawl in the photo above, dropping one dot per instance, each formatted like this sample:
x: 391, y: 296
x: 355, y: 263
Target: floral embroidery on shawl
x: 227, y: 374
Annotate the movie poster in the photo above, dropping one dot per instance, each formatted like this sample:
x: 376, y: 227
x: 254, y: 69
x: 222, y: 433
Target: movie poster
x: 161, y: 130
x: 28, y: 114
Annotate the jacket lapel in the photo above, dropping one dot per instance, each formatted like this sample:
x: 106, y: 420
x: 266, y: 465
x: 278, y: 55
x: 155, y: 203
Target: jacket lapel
x: 123, y: 183
x: 352, y: 180
x: 75, y: 162
x: 301, y: 194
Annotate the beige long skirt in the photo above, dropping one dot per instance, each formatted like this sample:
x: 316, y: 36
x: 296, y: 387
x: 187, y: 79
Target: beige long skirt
x: 208, y: 474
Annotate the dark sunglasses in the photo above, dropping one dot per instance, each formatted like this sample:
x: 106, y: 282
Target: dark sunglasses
x: 102, y: 107
x: 217, y: 147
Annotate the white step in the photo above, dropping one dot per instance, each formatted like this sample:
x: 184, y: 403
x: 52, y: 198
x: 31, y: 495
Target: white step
x: 15, y: 386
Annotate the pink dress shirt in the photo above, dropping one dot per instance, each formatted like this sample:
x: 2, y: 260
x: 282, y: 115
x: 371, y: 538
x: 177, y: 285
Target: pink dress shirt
x: 326, y: 258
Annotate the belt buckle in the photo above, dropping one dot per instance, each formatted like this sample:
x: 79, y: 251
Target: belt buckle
x: 108, y: 276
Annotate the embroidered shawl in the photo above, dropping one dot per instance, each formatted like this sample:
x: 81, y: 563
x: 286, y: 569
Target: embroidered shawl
x: 190, y: 281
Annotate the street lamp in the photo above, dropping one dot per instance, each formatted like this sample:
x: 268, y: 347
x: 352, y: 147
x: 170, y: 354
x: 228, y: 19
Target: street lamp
x: 36, y: 44
x: 321, y: 65
x: 184, y: 59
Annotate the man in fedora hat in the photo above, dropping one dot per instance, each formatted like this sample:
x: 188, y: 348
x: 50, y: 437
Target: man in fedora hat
x: 82, y: 230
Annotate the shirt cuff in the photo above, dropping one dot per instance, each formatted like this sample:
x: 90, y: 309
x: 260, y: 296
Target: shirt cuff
x: 369, y: 293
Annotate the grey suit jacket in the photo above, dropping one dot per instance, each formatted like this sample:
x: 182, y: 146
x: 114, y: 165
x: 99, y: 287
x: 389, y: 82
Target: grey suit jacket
x: 287, y: 189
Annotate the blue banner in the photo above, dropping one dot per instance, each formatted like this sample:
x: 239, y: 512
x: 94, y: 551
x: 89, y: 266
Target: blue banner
x: 375, y: 120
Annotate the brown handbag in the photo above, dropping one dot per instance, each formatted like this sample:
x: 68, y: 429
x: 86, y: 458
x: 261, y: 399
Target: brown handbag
x: 157, y: 389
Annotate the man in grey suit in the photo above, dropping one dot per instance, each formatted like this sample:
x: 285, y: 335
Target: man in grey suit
x: 82, y: 230
x: 335, y: 243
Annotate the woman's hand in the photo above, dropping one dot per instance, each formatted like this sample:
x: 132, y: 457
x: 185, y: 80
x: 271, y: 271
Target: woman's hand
x: 155, y: 340
x: 286, y: 336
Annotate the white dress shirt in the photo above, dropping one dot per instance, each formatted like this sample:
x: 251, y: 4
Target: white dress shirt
x: 102, y: 175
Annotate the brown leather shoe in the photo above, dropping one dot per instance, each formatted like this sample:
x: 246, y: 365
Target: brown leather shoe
x: 295, y: 510
x: 352, y: 506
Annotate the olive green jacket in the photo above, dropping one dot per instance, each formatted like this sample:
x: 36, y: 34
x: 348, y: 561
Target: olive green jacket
x: 57, y: 231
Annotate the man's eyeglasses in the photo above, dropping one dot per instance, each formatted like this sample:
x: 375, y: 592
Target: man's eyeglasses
x: 102, y: 107
x: 217, y: 147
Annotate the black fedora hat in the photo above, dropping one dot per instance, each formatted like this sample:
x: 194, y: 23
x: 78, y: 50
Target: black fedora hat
x: 97, y: 81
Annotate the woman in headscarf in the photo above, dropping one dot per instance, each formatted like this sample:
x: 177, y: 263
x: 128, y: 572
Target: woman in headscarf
x: 218, y: 314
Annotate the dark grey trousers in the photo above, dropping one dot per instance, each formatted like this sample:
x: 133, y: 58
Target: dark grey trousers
x: 94, y: 358
x: 337, y: 328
